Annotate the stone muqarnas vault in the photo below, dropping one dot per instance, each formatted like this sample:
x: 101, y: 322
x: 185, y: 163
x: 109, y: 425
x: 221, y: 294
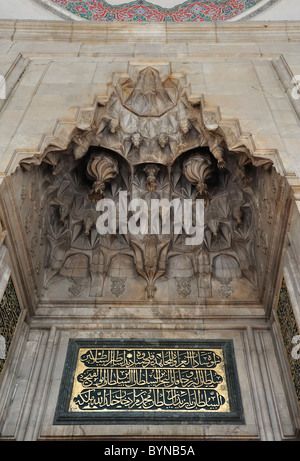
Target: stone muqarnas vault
x: 151, y: 141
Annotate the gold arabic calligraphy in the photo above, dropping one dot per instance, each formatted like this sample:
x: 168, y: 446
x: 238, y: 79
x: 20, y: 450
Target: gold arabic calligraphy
x: 149, y: 379
x: 150, y: 358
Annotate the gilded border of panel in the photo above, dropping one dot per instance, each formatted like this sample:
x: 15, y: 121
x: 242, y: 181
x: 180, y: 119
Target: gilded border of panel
x: 10, y: 311
x: 149, y: 382
x: 288, y: 328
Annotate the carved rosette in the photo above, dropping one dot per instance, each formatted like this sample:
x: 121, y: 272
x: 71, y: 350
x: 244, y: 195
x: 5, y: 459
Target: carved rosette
x: 198, y: 170
x: 101, y: 168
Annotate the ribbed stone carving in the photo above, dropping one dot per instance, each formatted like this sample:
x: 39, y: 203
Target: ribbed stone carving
x: 101, y: 168
x: 198, y: 170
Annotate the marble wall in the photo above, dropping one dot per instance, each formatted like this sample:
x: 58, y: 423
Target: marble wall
x: 56, y: 74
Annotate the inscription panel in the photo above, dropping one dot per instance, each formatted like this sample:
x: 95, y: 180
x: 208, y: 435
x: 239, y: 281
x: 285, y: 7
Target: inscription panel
x: 149, y: 382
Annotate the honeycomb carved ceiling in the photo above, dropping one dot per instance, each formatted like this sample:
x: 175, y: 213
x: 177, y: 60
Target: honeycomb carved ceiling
x: 174, y: 155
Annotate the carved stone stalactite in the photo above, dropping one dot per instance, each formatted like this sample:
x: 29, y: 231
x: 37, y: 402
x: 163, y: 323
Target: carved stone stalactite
x: 198, y: 170
x: 150, y: 258
x: 101, y: 168
x: 151, y: 172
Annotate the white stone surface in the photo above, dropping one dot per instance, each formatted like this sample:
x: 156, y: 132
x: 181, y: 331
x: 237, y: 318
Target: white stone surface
x: 25, y: 9
x: 284, y: 10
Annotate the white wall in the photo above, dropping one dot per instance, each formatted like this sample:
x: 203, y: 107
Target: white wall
x: 24, y: 9
x: 284, y: 10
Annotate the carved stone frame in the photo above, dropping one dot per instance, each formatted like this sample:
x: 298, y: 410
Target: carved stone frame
x: 235, y: 416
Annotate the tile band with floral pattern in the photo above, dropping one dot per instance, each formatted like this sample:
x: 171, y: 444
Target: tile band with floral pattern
x: 141, y: 10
